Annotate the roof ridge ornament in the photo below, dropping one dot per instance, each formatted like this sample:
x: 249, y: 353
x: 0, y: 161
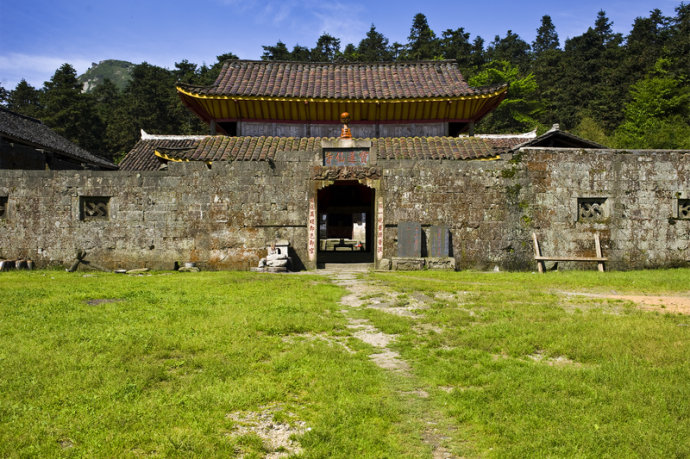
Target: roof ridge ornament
x: 345, y: 133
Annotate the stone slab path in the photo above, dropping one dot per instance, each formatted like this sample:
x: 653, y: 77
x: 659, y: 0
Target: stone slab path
x: 365, y: 294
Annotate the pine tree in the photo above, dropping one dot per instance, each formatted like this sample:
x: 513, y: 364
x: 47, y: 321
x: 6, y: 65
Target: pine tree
x: 547, y: 38
x: 374, y: 47
x: 510, y: 48
x: 592, y: 84
x: 455, y: 45
x: 278, y: 52
x: 350, y: 53
x: 422, y: 42
x: 327, y: 49
x: 4, y: 96
x: 299, y: 53
x: 678, y: 43
x: 477, y: 55
x: 71, y: 113
x: 25, y: 99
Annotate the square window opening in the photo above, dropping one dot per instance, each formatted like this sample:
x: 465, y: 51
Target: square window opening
x: 94, y: 208
x: 591, y: 209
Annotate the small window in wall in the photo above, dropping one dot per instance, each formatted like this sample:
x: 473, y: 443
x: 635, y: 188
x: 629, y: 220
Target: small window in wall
x: 94, y: 207
x: 684, y: 209
x: 591, y: 209
x: 3, y: 207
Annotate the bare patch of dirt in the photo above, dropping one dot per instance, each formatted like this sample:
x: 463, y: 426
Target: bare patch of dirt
x: 97, y: 301
x: 421, y: 393
x: 276, y: 436
x: 66, y: 443
x: 432, y: 437
x: 667, y: 303
x: 553, y: 361
x: 390, y: 360
x: 332, y: 340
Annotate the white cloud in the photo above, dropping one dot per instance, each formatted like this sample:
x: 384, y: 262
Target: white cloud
x: 34, y: 69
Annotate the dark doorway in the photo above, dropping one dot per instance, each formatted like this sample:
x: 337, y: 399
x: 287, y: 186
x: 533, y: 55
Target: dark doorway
x: 346, y: 223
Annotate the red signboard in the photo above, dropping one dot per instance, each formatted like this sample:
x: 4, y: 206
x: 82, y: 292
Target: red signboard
x: 345, y: 157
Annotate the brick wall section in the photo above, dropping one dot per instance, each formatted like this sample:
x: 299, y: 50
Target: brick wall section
x: 223, y: 217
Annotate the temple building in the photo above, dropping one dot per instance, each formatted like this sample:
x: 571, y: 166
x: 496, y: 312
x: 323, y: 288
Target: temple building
x: 355, y: 163
x: 297, y: 99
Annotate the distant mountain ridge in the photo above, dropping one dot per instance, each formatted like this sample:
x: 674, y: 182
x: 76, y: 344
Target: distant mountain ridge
x: 119, y: 72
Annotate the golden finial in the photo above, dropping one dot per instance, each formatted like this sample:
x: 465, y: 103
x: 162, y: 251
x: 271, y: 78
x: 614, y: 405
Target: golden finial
x: 345, y: 133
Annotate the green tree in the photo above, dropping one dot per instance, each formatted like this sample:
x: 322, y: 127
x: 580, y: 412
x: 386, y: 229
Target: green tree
x: 422, y: 42
x: 278, y: 52
x: 374, y: 47
x: 658, y: 114
x: 591, y: 83
x: 455, y: 44
x: 350, y: 53
x: 547, y: 38
x: 4, y: 96
x: 678, y: 43
x: 510, y: 48
x: 477, y: 56
x: 70, y: 112
x: 25, y: 99
x: 327, y: 49
x: 300, y: 53
x: 644, y: 45
x: 149, y: 102
x: 518, y: 111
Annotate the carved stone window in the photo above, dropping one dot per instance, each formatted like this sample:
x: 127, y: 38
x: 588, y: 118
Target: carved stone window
x: 591, y: 209
x: 684, y: 209
x: 3, y: 207
x: 94, y: 207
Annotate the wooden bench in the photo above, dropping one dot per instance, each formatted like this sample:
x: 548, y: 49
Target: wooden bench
x: 541, y: 259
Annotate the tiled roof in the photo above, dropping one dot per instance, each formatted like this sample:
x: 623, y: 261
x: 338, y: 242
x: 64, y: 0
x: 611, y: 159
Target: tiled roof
x: 561, y: 139
x: 395, y: 80
x: 141, y: 157
x: 223, y: 148
x: 30, y: 131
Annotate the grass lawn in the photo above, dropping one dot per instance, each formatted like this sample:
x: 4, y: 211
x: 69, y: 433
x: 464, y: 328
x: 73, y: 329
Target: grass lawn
x: 176, y: 364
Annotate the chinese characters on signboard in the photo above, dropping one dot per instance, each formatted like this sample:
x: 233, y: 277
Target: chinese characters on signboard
x: 312, y: 230
x: 379, y: 231
x: 345, y: 157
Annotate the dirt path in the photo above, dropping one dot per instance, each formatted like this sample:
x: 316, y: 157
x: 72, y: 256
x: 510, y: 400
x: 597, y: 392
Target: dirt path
x: 363, y: 294
x: 667, y: 304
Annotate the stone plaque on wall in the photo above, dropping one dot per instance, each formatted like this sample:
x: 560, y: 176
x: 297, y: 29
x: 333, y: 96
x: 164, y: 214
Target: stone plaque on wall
x: 409, y: 239
x: 439, y: 241
x: 345, y: 157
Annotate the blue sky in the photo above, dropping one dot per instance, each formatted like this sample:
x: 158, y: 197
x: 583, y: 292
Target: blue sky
x: 36, y: 37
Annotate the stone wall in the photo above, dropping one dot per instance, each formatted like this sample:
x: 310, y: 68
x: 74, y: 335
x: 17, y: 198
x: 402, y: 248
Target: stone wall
x: 223, y: 217
x: 640, y: 227
x: 220, y: 218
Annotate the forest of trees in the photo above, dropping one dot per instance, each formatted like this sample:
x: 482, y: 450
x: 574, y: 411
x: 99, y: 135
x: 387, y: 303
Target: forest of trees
x: 628, y: 91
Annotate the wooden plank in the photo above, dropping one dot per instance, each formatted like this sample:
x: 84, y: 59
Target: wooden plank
x: 600, y: 265
x: 600, y: 259
x: 541, y: 267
